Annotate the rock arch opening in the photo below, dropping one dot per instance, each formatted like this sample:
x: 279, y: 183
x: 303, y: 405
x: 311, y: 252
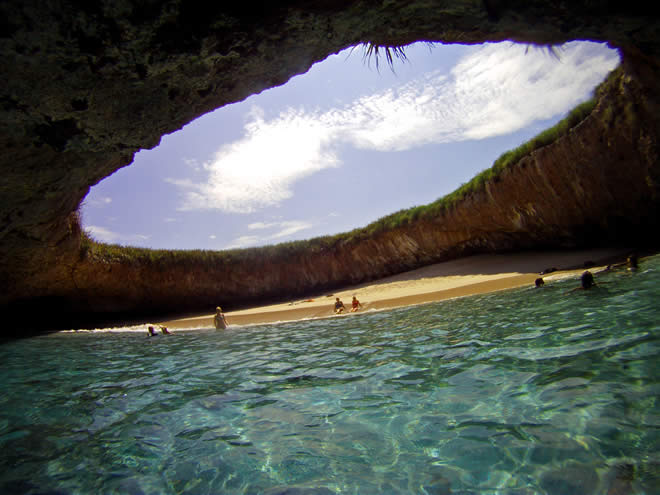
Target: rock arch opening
x: 342, y: 145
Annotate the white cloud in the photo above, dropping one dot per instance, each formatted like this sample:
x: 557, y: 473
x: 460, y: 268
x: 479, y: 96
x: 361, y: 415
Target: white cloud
x: 278, y: 231
x: 244, y: 241
x: 497, y: 89
x: 521, y: 87
x: 97, y: 202
x: 261, y: 225
x: 105, y: 235
x: 289, y: 228
x: 102, y: 234
x: 259, y: 170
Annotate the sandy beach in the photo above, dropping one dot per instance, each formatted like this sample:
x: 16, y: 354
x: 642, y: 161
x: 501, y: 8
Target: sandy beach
x: 451, y: 279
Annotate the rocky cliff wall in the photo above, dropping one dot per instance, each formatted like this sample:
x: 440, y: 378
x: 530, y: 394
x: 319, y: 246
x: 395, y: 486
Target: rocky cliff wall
x: 86, y: 85
x: 597, y: 185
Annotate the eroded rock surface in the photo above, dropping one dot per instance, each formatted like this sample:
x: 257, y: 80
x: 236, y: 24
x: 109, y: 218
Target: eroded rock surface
x: 87, y: 84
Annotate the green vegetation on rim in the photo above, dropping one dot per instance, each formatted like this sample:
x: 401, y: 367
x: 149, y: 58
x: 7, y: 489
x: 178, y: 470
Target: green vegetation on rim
x: 113, y: 253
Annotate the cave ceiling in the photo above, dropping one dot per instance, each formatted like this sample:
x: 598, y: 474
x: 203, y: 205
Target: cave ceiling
x: 85, y: 85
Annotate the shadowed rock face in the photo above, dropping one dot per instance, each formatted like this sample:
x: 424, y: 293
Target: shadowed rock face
x: 87, y: 84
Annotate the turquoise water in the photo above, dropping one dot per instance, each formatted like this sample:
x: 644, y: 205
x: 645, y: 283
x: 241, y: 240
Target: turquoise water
x: 529, y: 391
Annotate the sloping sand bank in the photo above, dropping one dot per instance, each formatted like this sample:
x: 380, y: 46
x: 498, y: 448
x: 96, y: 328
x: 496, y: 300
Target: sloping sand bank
x: 463, y: 277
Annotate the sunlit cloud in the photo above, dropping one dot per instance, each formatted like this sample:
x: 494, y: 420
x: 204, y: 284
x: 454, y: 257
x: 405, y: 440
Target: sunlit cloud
x: 105, y: 235
x: 259, y: 170
x: 497, y: 89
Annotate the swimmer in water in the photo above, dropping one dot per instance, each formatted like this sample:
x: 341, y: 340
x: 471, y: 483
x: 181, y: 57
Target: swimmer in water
x: 586, y: 281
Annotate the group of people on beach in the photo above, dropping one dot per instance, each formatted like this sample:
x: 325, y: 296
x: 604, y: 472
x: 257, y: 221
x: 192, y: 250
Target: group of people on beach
x: 340, y: 308
x: 587, y: 280
x: 220, y: 320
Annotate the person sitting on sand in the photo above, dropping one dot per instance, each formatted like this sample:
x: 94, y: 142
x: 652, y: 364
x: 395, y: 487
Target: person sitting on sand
x: 355, y: 305
x: 152, y: 331
x: 539, y: 282
x: 219, y: 319
x: 165, y: 331
x: 339, y: 306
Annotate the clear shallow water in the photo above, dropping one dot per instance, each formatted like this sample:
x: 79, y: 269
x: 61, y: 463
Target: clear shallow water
x: 530, y: 391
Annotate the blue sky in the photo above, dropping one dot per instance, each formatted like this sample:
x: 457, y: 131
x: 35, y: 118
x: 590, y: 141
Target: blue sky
x: 341, y: 146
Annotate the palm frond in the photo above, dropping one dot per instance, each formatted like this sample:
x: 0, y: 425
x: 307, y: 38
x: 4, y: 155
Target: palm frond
x: 372, y: 50
x: 553, y: 50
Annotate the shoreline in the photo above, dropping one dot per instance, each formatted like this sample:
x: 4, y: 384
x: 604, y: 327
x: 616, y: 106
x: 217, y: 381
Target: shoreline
x: 468, y: 276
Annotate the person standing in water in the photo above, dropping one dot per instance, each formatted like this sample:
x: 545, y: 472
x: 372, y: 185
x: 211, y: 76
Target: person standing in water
x: 219, y: 319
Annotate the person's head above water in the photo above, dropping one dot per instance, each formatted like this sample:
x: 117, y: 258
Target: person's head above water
x: 587, y: 280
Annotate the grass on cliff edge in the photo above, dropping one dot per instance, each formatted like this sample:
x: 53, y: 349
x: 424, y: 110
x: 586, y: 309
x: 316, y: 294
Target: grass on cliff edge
x: 113, y: 253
